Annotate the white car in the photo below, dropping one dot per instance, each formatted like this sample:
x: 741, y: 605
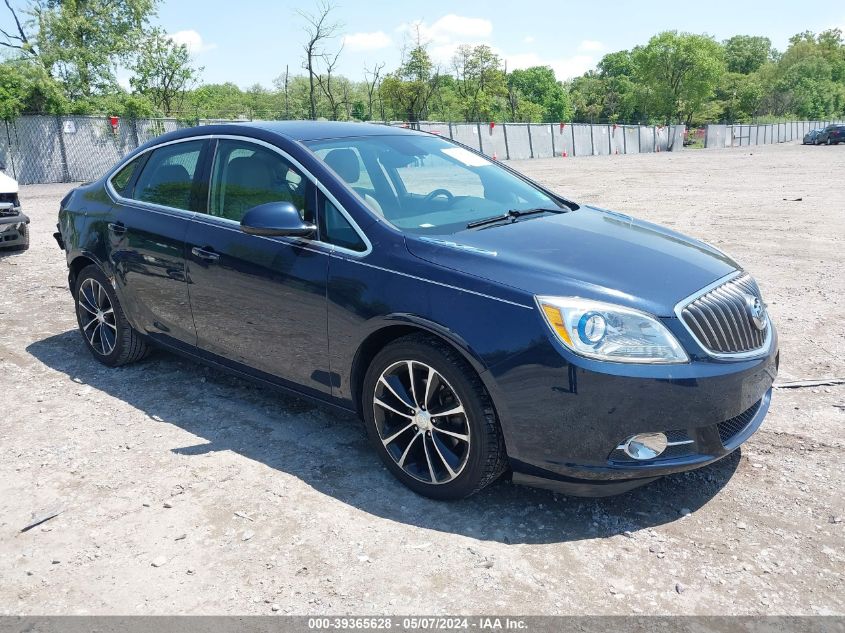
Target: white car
x: 14, y: 229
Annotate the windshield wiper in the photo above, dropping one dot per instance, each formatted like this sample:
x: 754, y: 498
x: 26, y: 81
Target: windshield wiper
x: 511, y: 215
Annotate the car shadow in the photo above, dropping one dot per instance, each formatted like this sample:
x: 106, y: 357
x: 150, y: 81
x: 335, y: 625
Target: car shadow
x: 11, y: 251
x: 329, y: 451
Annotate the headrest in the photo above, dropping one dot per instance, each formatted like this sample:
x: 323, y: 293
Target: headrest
x: 250, y: 172
x: 345, y: 163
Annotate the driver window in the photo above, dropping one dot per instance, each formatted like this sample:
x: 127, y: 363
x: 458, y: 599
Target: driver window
x: 245, y: 175
x: 429, y: 173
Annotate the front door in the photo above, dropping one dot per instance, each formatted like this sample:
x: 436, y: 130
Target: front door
x: 259, y: 302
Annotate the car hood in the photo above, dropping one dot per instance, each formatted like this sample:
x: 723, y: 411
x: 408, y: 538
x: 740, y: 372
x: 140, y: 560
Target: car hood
x: 8, y: 184
x: 587, y: 253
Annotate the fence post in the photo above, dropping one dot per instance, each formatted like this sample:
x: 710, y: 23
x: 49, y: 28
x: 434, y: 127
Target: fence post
x: 639, y: 139
x: 63, y: 150
x: 624, y: 141
x: 530, y: 142
x: 653, y: 138
x: 135, y: 133
x: 592, y: 144
x: 507, y: 149
x: 450, y: 131
x: 572, y: 130
x: 609, y: 140
x: 11, y: 154
x: 480, y: 143
x: 552, y: 130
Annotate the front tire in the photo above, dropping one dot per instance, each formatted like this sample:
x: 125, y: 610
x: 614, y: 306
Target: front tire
x: 431, y: 420
x: 102, y: 322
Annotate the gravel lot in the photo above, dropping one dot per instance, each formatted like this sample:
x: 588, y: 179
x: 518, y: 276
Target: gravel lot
x: 188, y: 491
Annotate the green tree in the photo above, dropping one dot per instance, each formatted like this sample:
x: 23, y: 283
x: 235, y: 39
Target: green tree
x: 118, y: 103
x: 739, y: 96
x: 81, y: 41
x: 588, y: 94
x: 480, y: 82
x: 679, y: 72
x: 25, y: 87
x: 808, y: 80
x: 747, y: 53
x: 618, y: 64
x: 163, y: 71
x: 534, y: 94
x: 408, y: 90
x: 213, y: 101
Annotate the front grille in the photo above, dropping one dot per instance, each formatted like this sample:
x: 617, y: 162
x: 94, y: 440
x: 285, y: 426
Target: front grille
x: 729, y: 429
x: 720, y: 318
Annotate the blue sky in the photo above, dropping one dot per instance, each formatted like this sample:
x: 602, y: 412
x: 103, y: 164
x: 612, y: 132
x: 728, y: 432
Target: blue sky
x: 250, y: 41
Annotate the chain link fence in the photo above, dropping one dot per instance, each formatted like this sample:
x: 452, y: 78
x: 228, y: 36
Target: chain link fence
x: 45, y: 149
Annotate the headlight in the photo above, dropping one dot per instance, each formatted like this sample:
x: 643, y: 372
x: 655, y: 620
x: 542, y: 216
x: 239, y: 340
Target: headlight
x: 610, y: 332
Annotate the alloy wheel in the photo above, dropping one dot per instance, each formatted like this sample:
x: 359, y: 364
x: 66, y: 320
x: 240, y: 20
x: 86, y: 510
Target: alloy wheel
x: 96, y: 317
x: 422, y: 422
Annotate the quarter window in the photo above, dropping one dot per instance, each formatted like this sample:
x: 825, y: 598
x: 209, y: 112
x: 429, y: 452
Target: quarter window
x: 336, y: 229
x: 168, y: 176
x: 246, y: 175
x: 120, y: 181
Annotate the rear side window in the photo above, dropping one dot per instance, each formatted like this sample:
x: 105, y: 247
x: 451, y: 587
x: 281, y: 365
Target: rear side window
x: 168, y: 176
x: 121, y: 180
x: 336, y: 229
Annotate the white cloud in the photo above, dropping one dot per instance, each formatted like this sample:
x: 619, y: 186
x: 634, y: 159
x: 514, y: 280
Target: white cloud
x: 452, y: 25
x: 564, y: 67
x: 529, y: 39
x: 590, y: 46
x: 192, y: 40
x: 447, y: 33
x: 367, y: 41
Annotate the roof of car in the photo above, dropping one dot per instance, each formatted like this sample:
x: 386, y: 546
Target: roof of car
x: 313, y: 130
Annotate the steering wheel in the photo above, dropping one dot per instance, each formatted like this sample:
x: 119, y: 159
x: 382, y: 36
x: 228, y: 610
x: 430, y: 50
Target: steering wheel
x: 437, y: 193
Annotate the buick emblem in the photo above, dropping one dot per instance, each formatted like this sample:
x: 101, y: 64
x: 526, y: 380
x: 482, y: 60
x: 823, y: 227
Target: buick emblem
x: 756, y: 311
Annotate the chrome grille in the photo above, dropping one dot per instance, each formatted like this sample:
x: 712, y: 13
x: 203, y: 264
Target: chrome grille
x: 720, y: 318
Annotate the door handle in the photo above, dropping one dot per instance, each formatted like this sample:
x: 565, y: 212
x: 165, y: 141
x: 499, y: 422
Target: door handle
x: 208, y: 256
x: 117, y: 228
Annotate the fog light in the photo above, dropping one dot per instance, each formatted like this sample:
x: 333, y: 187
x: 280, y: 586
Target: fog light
x: 645, y: 445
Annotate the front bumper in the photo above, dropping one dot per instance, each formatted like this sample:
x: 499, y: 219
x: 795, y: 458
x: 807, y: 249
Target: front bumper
x: 14, y: 230
x: 564, y: 417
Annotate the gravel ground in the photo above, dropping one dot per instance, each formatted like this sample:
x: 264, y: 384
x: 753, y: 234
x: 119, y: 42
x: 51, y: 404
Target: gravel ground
x: 187, y: 491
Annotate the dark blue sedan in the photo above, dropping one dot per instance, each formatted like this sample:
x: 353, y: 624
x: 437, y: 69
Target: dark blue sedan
x: 479, y: 323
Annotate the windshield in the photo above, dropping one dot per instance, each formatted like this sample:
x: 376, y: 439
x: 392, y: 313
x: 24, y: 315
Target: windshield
x: 426, y: 185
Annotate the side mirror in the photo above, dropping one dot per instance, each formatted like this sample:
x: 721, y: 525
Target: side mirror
x: 275, y: 219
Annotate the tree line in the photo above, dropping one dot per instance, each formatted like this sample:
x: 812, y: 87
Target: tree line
x: 61, y: 57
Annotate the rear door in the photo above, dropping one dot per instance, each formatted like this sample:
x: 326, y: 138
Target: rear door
x: 156, y: 195
x: 259, y: 302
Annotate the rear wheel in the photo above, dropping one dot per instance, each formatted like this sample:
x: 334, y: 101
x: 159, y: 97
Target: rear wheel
x: 431, y: 420
x: 102, y: 322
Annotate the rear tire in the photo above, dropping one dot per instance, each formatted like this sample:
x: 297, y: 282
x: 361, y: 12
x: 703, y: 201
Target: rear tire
x: 102, y: 322
x: 449, y: 456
